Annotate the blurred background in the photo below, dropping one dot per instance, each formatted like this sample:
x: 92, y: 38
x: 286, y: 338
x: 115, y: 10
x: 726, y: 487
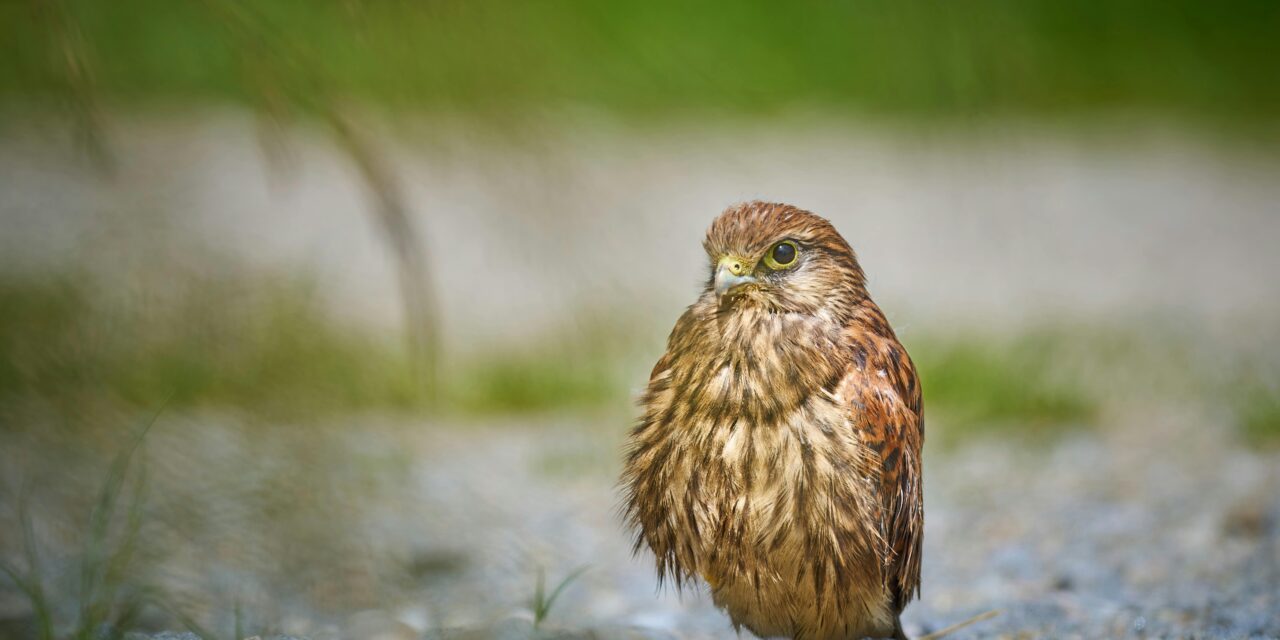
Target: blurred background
x: 327, y: 318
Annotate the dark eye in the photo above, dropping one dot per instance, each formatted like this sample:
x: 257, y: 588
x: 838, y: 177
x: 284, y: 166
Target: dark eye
x: 782, y: 254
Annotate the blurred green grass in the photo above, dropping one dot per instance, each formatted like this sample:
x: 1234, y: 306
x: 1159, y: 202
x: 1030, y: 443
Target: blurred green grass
x: 266, y: 350
x: 1258, y: 416
x: 1209, y: 60
x: 268, y: 346
x: 1022, y: 384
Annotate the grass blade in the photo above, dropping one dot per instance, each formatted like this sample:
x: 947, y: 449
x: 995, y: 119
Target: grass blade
x: 186, y: 620
x: 542, y: 603
x: 39, y: 603
x: 36, y: 595
x: 95, y: 566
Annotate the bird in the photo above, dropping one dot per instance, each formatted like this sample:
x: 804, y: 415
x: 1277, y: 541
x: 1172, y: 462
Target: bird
x: 777, y: 457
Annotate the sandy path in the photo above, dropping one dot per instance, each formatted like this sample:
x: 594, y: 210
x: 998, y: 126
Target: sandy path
x: 1008, y: 226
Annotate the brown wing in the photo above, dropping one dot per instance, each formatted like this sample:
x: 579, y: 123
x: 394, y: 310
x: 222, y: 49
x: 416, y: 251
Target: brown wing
x: 885, y: 396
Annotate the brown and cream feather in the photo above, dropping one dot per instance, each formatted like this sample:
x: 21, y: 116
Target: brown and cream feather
x: 778, y: 454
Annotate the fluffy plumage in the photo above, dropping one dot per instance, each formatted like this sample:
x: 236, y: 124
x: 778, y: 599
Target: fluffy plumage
x: 778, y: 455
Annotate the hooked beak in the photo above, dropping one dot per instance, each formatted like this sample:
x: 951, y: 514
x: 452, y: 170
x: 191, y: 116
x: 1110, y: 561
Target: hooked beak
x: 731, y: 273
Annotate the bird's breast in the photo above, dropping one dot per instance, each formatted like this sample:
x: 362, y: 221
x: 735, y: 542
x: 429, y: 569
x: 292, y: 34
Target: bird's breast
x: 746, y: 466
x: 781, y: 512
x: 756, y: 365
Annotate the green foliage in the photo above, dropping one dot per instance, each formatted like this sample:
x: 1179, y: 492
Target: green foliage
x: 268, y: 348
x: 1020, y: 386
x: 215, y: 344
x: 641, y: 59
x: 1259, y: 417
x: 548, y: 380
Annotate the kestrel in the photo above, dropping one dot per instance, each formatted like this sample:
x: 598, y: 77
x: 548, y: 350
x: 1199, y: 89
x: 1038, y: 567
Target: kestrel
x: 778, y: 456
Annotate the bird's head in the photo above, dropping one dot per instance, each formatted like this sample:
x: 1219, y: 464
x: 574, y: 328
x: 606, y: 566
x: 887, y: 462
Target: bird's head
x: 781, y: 258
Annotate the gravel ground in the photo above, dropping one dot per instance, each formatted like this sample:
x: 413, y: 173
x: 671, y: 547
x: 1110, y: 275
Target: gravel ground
x: 1125, y: 533
x: 1104, y: 535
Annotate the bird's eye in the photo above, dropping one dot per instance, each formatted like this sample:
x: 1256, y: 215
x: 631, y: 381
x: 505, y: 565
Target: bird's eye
x: 782, y: 255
